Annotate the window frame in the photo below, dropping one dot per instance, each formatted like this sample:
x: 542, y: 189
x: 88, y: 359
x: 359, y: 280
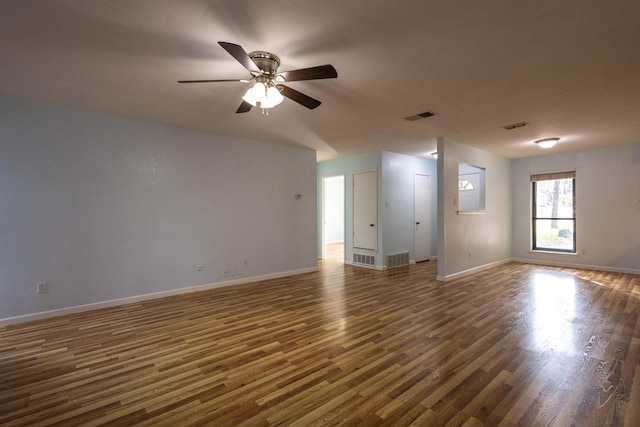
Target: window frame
x: 465, y: 169
x: 534, y: 217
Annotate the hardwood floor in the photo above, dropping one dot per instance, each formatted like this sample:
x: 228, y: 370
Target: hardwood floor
x: 335, y: 251
x: 514, y: 345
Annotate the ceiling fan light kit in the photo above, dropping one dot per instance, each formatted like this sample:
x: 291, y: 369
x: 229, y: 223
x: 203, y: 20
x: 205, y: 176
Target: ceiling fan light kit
x: 264, y: 95
x: 268, y: 89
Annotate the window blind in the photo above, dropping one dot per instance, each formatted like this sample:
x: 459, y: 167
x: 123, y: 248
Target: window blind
x: 552, y: 175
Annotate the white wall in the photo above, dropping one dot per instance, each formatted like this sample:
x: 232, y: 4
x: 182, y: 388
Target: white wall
x: 486, y: 236
x: 104, y: 208
x: 607, y: 206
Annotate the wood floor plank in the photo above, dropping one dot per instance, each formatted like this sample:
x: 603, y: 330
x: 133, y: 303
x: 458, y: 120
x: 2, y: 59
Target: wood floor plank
x: 512, y: 345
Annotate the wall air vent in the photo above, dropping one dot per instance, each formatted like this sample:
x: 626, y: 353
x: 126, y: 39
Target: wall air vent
x: 514, y: 126
x: 397, y: 259
x: 364, y: 259
x: 420, y: 116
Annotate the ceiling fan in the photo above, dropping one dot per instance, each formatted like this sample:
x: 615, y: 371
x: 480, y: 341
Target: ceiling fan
x: 269, y: 90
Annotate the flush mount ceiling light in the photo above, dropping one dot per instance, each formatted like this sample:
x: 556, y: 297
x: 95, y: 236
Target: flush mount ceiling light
x: 547, y: 142
x: 434, y: 154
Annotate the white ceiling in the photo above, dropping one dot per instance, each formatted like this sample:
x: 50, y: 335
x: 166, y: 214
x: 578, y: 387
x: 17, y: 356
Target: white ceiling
x: 568, y: 68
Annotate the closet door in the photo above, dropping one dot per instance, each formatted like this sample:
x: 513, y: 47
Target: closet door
x: 422, y: 213
x: 365, y: 210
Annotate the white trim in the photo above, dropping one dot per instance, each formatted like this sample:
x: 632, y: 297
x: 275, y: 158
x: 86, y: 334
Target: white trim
x: 129, y: 300
x: 137, y: 298
x: 481, y: 212
x: 577, y: 266
x: 543, y: 252
x: 538, y: 262
x: 472, y: 270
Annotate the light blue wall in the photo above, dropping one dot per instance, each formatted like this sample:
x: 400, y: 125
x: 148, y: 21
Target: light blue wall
x: 469, y: 241
x: 347, y: 166
x: 395, y: 173
x: 607, y: 206
x: 105, y: 208
x: 398, y: 180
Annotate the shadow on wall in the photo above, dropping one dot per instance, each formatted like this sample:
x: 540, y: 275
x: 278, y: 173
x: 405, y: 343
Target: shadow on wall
x: 631, y: 257
x: 636, y: 153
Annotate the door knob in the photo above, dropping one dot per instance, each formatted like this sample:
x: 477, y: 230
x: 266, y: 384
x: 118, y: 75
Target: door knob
x: 372, y: 225
x: 418, y: 223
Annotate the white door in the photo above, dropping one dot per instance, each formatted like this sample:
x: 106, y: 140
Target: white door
x: 469, y: 192
x: 422, y: 209
x: 365, y: 212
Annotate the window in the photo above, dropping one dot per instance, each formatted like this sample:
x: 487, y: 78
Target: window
x: 465, y: 185
x: 471, y: 188
x: 554, y: 212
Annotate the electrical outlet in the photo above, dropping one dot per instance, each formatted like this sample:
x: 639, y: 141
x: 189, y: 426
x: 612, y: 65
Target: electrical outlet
x: 245, y: 262
x: 469, y: 254
x: 43, y: 287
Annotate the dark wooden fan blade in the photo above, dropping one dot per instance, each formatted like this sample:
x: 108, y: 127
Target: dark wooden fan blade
x: 313, y: 73
x: 241, y: 56
x: 211, y: 81
x: 299, y: 97
x: 245, y: 107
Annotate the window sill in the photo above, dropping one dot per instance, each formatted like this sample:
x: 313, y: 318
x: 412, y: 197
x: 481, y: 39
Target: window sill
x: 472, y: 212
x: 532, y: 251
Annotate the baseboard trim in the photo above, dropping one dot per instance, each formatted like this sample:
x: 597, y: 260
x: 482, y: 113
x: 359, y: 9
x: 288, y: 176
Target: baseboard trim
x: 130, y: 300
x: 137, y: 298
x: 472, y: 270
x: 538, y: 262
x: 577, y: 266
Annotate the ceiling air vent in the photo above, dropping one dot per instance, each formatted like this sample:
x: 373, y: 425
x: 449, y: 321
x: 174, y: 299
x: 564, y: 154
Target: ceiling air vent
x: 514, y: 126
x: 420, y: 116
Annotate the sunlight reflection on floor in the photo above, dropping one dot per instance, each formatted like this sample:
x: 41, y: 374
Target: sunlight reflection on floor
x: 333, y: 294
x: 554, y: 312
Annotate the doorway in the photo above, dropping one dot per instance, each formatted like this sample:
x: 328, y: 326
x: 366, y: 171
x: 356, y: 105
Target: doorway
x: 333, y: 217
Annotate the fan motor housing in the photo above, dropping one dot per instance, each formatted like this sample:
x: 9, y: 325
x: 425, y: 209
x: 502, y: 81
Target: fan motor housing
x: 267, y: 62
